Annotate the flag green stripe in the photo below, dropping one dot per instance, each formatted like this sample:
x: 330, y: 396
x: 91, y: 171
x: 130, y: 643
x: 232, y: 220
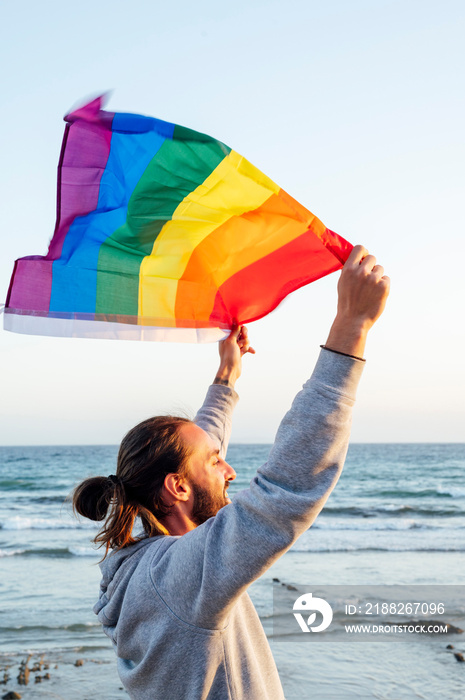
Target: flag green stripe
x: 179, y: 167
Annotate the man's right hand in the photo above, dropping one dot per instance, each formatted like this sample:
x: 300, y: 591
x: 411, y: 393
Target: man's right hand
x: 363, y: 289
x: 231, y: 351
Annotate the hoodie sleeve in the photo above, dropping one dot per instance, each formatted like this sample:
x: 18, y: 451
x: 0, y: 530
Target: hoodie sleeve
x: 215, y: 416
x: 201, y: 575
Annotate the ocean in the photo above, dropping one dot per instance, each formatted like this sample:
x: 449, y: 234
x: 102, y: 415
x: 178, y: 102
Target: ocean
x: 396, y: 517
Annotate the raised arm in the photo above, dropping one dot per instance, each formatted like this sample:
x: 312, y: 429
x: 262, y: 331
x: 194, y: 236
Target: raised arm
x: 215, y: 415
x: 229, y: 551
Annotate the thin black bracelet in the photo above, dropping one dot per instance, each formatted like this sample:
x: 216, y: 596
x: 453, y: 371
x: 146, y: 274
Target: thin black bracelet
x: 222, y: 382
x: 354, y: 357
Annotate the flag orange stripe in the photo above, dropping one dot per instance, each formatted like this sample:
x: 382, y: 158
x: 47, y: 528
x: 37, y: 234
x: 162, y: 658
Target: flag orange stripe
x: 238, y: 243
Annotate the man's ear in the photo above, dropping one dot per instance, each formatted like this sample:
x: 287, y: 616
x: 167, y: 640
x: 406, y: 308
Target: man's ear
x: 175, y: 488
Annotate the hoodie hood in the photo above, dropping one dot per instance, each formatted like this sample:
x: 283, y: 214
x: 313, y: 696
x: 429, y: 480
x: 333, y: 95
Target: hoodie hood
x: 117, y: 569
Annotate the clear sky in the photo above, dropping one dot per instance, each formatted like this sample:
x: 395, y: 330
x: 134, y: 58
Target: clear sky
x: 355, y: 108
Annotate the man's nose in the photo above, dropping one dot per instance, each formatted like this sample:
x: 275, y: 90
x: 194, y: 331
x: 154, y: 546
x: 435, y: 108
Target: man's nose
x: 229, y: 473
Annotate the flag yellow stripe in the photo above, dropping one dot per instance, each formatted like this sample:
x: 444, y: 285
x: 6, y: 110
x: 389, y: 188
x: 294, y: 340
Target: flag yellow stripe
x: 234, y: 187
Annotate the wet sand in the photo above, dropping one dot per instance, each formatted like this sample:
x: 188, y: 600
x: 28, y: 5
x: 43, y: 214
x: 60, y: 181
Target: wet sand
x: 63, y: 676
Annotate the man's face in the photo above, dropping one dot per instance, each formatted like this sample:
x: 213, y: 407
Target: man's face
x: 208, y: 474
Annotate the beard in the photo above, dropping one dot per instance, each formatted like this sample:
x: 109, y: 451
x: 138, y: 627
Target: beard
x: 206, y: 505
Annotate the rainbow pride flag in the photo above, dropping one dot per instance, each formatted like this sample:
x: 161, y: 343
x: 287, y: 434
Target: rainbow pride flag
x: 163, y: 233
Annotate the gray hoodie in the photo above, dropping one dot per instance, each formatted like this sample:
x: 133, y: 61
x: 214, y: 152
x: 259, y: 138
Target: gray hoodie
x: 177, y: 608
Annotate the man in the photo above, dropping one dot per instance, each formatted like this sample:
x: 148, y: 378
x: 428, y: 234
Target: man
x: 174, y: 602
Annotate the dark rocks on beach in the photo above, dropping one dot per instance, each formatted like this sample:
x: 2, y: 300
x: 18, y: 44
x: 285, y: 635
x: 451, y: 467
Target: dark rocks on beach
x: 24, y: 671
x: 286, y: 585
x: 23, y: 677
x: 24, y: 674
x: 276, y: 580
x: 6, y: 678
x: 79, y: 662
x: 11, y: 696
x: 450, y: 646
x: 459, y: 656
x: 451, y: 629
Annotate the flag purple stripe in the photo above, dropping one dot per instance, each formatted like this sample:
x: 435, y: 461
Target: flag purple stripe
x: 79, y: 198
x: 31, y: 284
x: 33, y: 276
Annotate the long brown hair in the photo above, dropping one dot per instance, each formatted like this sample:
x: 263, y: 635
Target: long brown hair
x: 150, y: 451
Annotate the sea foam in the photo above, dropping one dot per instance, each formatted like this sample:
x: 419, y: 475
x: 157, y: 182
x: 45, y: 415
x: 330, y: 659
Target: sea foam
x: 18, y: 522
